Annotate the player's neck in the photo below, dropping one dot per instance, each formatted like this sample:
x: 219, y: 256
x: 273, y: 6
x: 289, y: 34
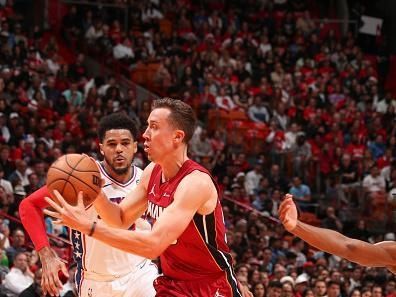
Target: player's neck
x: 171, y: 166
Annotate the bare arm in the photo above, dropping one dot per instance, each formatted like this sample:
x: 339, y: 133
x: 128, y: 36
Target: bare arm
x: 130, y: 209
x: 193, y: 194
x: 363, y: 253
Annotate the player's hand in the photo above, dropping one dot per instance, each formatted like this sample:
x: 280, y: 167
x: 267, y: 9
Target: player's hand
x: 51, y: 265
x: 288, y: 213
x: 245, y: 290
x: 74, y: 217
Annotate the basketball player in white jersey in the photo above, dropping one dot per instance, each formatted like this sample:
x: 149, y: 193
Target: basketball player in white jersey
x: 101, y: 269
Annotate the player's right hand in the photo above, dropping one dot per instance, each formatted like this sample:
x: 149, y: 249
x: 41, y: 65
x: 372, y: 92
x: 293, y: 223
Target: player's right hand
x: 288, y: 213
x: 51, y: 265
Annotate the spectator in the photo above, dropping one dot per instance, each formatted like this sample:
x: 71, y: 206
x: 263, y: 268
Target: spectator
x: 201, y: 146
x: 17, y: 245
x: 123, y: 51
x: 374, y: 184
x: 73, y: 96
x: 262, y: 202
x: 223, y: 101
x: 34, y: 290
x: 383, y: 105
x: 5, y: 183
x: 274, y: 289
x: 320, y: 288
x: 21, y: 174
x: 252, y: 179
x: 300, y: 192
x: 348, y: 175
x: 331, y: 221
x: 258, y: 112
x: 333, y: 289
x: 301, y: 155
x: 20, y: 277
x: 276, y: 179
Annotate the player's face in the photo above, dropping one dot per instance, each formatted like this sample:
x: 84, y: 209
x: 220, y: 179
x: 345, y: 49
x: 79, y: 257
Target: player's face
x: 118, y: 149
x: 159, y: 137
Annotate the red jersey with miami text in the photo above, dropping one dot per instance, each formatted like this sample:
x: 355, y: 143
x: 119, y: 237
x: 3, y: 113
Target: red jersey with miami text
x: 201, y: 251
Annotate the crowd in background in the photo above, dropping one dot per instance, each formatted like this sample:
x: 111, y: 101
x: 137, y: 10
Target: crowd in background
x: 325, y: 126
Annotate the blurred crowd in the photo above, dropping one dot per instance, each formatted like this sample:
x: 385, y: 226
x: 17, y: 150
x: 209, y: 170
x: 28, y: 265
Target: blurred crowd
x: 313, y: 120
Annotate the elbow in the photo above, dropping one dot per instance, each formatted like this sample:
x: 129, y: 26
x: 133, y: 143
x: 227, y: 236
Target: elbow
x: 157, y: 249
x: 353, y: 253
x: 152, y: 254
x: 23, y: 209
x: 154, y: 249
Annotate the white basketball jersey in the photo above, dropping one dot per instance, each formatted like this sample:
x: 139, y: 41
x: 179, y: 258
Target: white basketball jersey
x: 95, y: 256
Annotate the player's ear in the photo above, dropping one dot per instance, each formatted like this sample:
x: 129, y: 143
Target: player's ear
x: 135, y: 147
x: 179, y: 136
x: 100, y: 149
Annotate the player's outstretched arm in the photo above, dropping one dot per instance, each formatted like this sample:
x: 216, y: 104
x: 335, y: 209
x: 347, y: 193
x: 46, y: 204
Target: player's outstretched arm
x: 363, y: 253
x: 123, y: 215
x: 194, y: 192
x: 31, y: 213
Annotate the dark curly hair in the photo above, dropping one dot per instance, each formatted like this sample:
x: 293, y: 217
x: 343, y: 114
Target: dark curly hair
x: 116, y: 121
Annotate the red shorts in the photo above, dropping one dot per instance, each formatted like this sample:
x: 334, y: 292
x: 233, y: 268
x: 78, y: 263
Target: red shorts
x: 220, y: 287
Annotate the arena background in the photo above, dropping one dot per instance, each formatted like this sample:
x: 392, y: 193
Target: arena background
x: 292, y: 96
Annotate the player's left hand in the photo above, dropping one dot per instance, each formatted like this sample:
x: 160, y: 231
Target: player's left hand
x: 245, y: 290
x: 74, y: 217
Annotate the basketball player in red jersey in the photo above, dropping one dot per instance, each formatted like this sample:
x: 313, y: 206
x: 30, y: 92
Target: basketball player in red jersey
x: 189, y: 233
x: 380, y: 254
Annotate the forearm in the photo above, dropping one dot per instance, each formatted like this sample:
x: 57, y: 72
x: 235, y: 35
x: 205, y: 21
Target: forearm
x: 109, y: 212
x: 142, y: 243
x: 331, y: 242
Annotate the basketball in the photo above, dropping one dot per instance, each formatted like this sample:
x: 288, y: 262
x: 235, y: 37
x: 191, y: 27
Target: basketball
x: 71, y: 174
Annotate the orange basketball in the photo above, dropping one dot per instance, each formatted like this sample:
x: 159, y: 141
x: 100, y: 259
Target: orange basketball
x: 71, y: 174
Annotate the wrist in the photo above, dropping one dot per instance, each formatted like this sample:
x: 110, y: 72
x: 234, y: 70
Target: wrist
x: 92, y: 228
x: 295, y: 228
x: 45, y: 253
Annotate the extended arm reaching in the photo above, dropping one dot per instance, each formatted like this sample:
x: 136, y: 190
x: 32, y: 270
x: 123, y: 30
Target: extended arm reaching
x: 363, y: 253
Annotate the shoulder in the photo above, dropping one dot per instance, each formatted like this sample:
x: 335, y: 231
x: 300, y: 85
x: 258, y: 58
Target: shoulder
x: 146, y: 174
x: 197, y: 181
x: 198, y: 192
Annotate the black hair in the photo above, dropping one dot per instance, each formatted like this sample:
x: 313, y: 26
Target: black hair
x: 116, y: 121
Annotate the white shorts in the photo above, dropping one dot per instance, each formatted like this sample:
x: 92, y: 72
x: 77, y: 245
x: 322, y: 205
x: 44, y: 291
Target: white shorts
x: 134, y: 284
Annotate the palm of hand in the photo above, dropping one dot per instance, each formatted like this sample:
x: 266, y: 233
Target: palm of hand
x: 288, y: 214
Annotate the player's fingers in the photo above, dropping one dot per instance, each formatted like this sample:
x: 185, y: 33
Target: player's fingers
x: 53, y: 284
x: 53, y: 214
x: 64, y: 269
x: 47, y: 285
x: 80, y: 200
x: 57, y: 282
x: 44, y: 285
x: 53, y: 204
x: 89, y: 157
x: 61, y: 199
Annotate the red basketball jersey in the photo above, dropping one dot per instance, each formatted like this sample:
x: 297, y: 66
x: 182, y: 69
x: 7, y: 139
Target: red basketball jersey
x: 201, y: 250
